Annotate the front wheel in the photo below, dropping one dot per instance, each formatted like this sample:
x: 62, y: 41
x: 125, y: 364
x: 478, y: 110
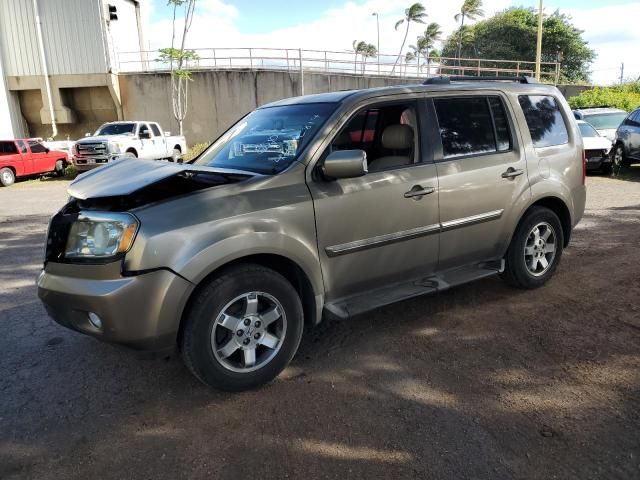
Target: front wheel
x: 7, y: 177
x: 242, y: 329
x: 176, y: 155
x: 535, y: 249
x: 60, y: 168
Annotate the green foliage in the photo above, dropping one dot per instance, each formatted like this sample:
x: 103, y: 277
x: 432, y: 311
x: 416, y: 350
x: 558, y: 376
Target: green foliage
x: 511, y: 35
x: 625, y: 97
x: 194, y: 151
x: 181, y: 58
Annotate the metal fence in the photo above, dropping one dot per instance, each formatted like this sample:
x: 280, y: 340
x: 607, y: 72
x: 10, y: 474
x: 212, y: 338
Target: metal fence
x: 337, y: 62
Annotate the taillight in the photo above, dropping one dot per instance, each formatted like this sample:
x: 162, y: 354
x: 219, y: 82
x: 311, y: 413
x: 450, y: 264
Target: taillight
x: 584, y: 167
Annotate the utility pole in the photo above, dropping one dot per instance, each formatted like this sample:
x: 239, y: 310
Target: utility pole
x: 539, y: 44
x: 621, y: 73
x: 378, y: 26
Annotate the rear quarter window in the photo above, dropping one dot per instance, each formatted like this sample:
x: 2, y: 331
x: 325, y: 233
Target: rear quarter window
x: 544, y: 119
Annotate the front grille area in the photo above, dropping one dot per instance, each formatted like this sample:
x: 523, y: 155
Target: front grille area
x: 91, y: 150
x: 595, y: 154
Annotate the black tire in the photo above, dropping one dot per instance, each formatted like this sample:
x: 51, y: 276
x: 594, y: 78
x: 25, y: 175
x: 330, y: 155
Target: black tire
x: 60, y: 168
x: 517, y: 273
x: 196, y: 338
x: 619, y: 159
x: 7, y: 177
x: 606, y: 169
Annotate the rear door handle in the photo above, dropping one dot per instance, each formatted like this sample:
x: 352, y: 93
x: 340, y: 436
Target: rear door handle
x: 512, y: 173
x: 418, y: 192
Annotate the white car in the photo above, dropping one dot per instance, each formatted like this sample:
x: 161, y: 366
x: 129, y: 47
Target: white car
x: 596, y: 148
x: 133, y: 139
x: 604, y: 119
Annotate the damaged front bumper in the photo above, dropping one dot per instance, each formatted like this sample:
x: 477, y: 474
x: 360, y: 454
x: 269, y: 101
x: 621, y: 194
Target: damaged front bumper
x: 141, y: 311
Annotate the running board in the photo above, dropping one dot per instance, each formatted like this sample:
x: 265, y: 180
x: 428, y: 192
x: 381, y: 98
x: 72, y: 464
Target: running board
x: 348, y: 307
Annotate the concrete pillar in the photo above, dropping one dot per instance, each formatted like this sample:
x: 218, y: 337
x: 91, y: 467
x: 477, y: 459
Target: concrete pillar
x: 63, y: 113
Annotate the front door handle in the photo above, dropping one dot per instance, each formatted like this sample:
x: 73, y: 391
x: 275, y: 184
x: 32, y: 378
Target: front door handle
x: 418, y: 192
x: 512, y: 173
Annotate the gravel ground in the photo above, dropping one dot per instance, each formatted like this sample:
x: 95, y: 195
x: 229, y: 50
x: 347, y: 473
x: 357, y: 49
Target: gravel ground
x: 482, y: 381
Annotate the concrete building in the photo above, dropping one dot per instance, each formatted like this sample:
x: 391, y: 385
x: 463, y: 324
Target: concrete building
x: 58, y: 64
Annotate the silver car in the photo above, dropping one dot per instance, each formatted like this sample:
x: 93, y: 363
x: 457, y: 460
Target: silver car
x: 316, y: 206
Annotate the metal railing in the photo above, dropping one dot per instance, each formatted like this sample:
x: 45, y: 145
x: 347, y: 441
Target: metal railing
x: 289, y: 59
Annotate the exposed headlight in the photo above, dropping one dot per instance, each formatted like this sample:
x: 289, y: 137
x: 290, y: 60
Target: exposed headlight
x: 101, y: 235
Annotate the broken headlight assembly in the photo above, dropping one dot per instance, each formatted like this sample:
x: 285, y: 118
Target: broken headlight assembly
x: 100, y: 235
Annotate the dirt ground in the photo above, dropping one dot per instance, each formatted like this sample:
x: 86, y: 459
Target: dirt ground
x: 482, y: 381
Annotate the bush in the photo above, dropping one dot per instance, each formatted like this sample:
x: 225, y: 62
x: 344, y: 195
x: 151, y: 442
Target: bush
x: 625, y: 97
x: 194, y: 151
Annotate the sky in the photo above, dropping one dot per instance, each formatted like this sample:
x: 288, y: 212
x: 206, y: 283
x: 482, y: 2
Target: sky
x: 610, y: 27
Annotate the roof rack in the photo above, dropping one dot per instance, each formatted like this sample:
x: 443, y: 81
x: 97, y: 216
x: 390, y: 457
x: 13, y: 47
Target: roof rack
x: 445, y: 80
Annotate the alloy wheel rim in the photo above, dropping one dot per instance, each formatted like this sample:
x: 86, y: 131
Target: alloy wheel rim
x: 617, y: 157
x: 248, y: 332
x: 540, y: 249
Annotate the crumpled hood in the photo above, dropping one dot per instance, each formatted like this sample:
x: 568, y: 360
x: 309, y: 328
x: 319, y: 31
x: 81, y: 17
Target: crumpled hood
x: 126, y: 176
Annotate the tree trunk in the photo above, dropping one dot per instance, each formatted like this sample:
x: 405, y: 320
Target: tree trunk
x: 418, y: 67
x: 406, y: 33
x: 460, y: 40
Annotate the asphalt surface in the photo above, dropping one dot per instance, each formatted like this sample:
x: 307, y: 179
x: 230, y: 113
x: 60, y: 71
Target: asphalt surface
x: 482, y: 381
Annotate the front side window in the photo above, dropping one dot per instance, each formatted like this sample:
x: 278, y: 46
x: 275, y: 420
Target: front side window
x: 117, y: 129
x: 467, y: 126
x: 37, y: 147
x: 269, y: 139
x: 387, y: 133
x: 544, y: 119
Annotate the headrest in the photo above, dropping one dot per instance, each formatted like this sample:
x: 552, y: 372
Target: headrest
x: 397, y: 137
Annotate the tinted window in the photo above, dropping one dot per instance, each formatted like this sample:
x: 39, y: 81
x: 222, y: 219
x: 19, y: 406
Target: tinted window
x: 8, y: 148
x: 144, y: 128
x: 503, y: 135
x: 22, y: 146
x: 37, y: 147
x: 465, y: 126
x: 156, y: 130
x: 546, y: 125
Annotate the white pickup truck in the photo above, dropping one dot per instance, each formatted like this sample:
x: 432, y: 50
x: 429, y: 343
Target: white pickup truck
x: 132, y: 139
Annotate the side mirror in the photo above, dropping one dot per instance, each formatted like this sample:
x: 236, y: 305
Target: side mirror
x: 345, y: 164
x: 145, y: 135
x: 87, y: 134
x: 46, y: 150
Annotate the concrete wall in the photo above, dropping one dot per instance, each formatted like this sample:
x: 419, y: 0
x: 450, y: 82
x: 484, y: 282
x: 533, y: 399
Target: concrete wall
x: 218, y: 98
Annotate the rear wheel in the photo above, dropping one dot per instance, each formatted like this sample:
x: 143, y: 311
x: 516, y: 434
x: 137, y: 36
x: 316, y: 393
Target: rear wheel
x: 535, y: 249
x: 243, y: 328
x: 7, y: 177
x: 176, y: 155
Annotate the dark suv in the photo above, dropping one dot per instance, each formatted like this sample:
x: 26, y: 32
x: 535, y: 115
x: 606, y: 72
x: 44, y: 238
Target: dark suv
x: 627, y: 142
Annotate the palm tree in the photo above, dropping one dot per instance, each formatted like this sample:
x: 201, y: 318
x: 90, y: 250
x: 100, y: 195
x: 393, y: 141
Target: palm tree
x: 415, y: 13
x: 431, y: 35
x: 464, y: 37
x: 358, y: 48
x: 419, y: 50
x: 470, y: 9
x: 433, y: 55
x: 369, y: 51
x: 408, y: 58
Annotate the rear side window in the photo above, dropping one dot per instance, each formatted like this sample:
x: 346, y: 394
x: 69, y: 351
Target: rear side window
x: 545, y: 122
x: 472, y: 125
x: 8, y: 148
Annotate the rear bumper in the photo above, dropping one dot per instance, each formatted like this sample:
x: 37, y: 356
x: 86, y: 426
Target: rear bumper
x: 141, y: 311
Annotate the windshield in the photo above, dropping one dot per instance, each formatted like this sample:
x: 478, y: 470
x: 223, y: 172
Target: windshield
x: 267, y: 140
x: 604, y: 121
x: 587, y: 130
x: 117, y: 129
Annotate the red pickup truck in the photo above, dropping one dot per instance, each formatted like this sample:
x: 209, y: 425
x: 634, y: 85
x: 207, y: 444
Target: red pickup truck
x: 22, y: 158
